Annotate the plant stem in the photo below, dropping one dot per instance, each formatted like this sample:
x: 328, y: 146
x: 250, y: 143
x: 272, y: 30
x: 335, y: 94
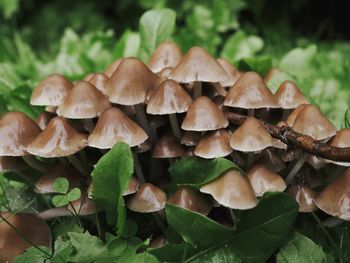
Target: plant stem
x: 138, y: 168
x: 5, y: 197
x: 175, y: 126
x: 142, y: 117
x: 35, y: 163
x: 296, y: 168
x: 197, y: 89
x: 77, y: 165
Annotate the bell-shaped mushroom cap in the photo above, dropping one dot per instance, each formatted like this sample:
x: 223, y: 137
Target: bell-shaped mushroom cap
x: 99, y: 80
x: 51, y: 91
x: 304, y: 196
x: 167, y: 54
x: 289, y: 96
x: 310, y: 121
x: 271, y: 73
x: 9, y: 163
x: 112, y: 67
x: 191, y: 199
x: 264, y: 180
x: 251, y: 136
x: 45, y: 184
x: 114, y: 126
x: 168, y: 98
x: 190, y: 138
x: 165, y: 73
x: 204, y: 115
x: 133, y: 186
x: 198, y: 65
x: 294, y: 114
x: 43, y: 119
x: 30, y: 226
x: 83, y: 102
x: 148, y: 199
x: 59, y: 139
x: 250, y: 92
x: 17, y: 130
x: 342, y: 140
x: 232, y: 190
x: 215, y: 144
x: 168, y: 147
x: 84, y: 206
x: 233, y: 73
x: 271, y: 160
x: 335, y: 198
x: 158, y: 242
x: 130, y: 82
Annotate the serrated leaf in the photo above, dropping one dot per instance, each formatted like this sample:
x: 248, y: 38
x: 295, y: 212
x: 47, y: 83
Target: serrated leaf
x: 74, y: 194
x: 61, y: 185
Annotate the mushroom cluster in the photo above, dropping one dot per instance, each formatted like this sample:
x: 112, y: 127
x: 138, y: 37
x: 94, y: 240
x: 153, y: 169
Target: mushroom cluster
x: 176, y: 106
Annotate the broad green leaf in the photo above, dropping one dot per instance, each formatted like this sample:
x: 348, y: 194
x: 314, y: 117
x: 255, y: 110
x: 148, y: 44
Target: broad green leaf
x: 61, y: 185
x: 172, y: 252
x: 74, y: 194
x: 9, y: 7
x: 110, y: 179
x: 223, y: 254
x: 258, y: 64
x: 140, y: 258
x: 60, y: 200
x: 128, y: 45
x: 195, y: 172
x: 33, y: 255
x: 301, y: 249
x: 277, y: 80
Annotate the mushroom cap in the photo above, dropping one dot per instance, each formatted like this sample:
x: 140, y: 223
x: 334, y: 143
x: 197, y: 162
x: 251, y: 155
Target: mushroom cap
x: 335, y: 198
x: 89, y: 76
x: 59, y: 139
x: 198, y: 65
x: 271, y: 73
x: 9, y: 163
x: 29, y: 225
x: 251, y: 136
x: 304, y: 196
x: 130, y: 83
x: 83, y: 102
x: 43, y: 119
x: 289, y: 96
x: 114, y: 126
x: 51, y: 109
x: 294, y: 114
x: 143, y: 147
x: 271, y: 160
x: 84, y: 206
x: 169, y: 98
x: 168, y: 147
x: 264, y: 180
x: 165, y: 73
x: 250, y: 92
x: 51, y: 91
x: 190, y: 138
x: 99, y: 80
x: 133, y: 186
x: 112, y: 67
x: 148, y: 199
x: 158, y: 242
x: 191, y: 199
x: 204, y: 115
x: 316, y: 162
x: 232, y: 190
x: 342, y: 140
x: 213, y: 145
x: 167, y: 54
x: 232, y: 73
x: 17, y: 131
x: 310, y: 121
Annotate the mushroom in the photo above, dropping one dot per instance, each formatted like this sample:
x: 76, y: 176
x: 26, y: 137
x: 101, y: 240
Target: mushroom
x: 342, y: 140
x: 190, y: 138
x: 99, y: 80
x: 84, y: 206
x: 293, y: 115
x: 304, y: 196
x: 271, y: 73
x: 271, y: 160
x: 133, y: 186
x: 232, y: 73
x: 112, y: 68
x: 11, y: 164
x: 43, y: 119
x: 168, y: 147
x: 165, y: 73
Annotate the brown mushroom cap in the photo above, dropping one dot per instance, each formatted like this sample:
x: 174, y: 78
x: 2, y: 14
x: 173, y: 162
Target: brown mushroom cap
x: 250, y: 92
x: 167, y: 54
x: 168, y: 147
x: 9, y: 163
x: 133, y: 186
x: 198, y: 65
x: 51, y: 91
x: 99, y: 80
x: 304, y: 196
x: 112, y: 67
x: 29, y: 225
x: 43, y: 119
x: 165, y: 73
x: 264, y: 180
x: 168, y: 98
x: 233, y: 73
x: 83, y: 102
x: 335, y: 198
x: 148, y: 199
x: 232, y: 190
x: 190, y: 138
x: 114, y: 126
x: 271, y: 73
x: 294, y: 114
x: 289, y: 96
x: 191, y: 199
x: 204, y: 115
x: 251, y: 136
x: 59, y: 139
x: 215, y: 144
x: 342, y: 140
x: 84, y: 206
x: 316, y: 162
x: 51, y: 109
x: 310, y: 121
x: 17, y: 130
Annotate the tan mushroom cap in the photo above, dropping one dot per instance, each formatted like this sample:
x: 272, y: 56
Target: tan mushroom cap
x: 264, y: 180
x: 271, y: 160
x: 114, y: 126
x: 204, y: 115
x: 112, y: 67
x: 232, y: 190
x: 133, y: 186
x: 59, y: 139
x: 316, y: 162
x: 83, y: 102
x: 304, y: 196
x: 148, y: 199
x: 310, y: 121
x: 168, y: 147
x: 198, y: 65
x: 167, y: 54
x: 99, y: 80
x: 335, y: 198
x: 233, y: 73
x: 51, y: 91
x: 271, y: 73
x: 17, y: 131
x: 191, y: 199
x: 158, y: 242
x: 342, y: 140
x: 9, y: 163
x: 165, y: 73
x: 190, y: 138
x: 294, y: 114
x: 250, y: 92
x: 84, y: 206
x: 251, y: 136
x: 130, y: 83
x: 169, y: 98
x: 29, y: 225
x: 43, y: 119
x: 289, y: 96
x: 213, y: 145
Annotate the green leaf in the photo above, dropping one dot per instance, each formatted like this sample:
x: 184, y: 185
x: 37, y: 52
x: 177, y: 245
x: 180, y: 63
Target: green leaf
x: 258, y: 64
x: 128, y: 45
x: 110, y: 179
x: 9, y: 7
x: 156, y: 26
x: 277, y: 80
x: 33, y: 255
x: 195, y: 172
x: 140, y: 258
x: 172, y: 252
x: 61, y: 185
x: 301, y: 249
x: 60, y: 200
x: 74, y: 194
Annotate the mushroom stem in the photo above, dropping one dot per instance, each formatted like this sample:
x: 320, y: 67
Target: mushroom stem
x: 332, y: 222
x: 83, y: 157
x: 142, y: 117
x: 77, y: 165
x: 296, y: 168
x: 62, y: 160
x: 285, y: 114
x: 197, y: 86
x: 159, y: 222
x: 35, y: 163
x: 54, y: 212
x: 175, y: 126
x: 233, y: 218
x: 250, y: 159
x: 251, y: 112
x: 138, y: 168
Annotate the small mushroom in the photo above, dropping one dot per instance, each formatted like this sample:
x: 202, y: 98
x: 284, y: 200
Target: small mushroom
x: 84, y: 206
x: 168, y: 147
x: 304, y: 196
x: 289, y: 96
x: 133, y: 186
x: 293, y: 115
x: 232, y: 73
x: 271, y: 160
x: 342, y: 140
x: 112, y: 68
x: 43, y: 119
x: 99, y: 80
x: 190, y: 138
